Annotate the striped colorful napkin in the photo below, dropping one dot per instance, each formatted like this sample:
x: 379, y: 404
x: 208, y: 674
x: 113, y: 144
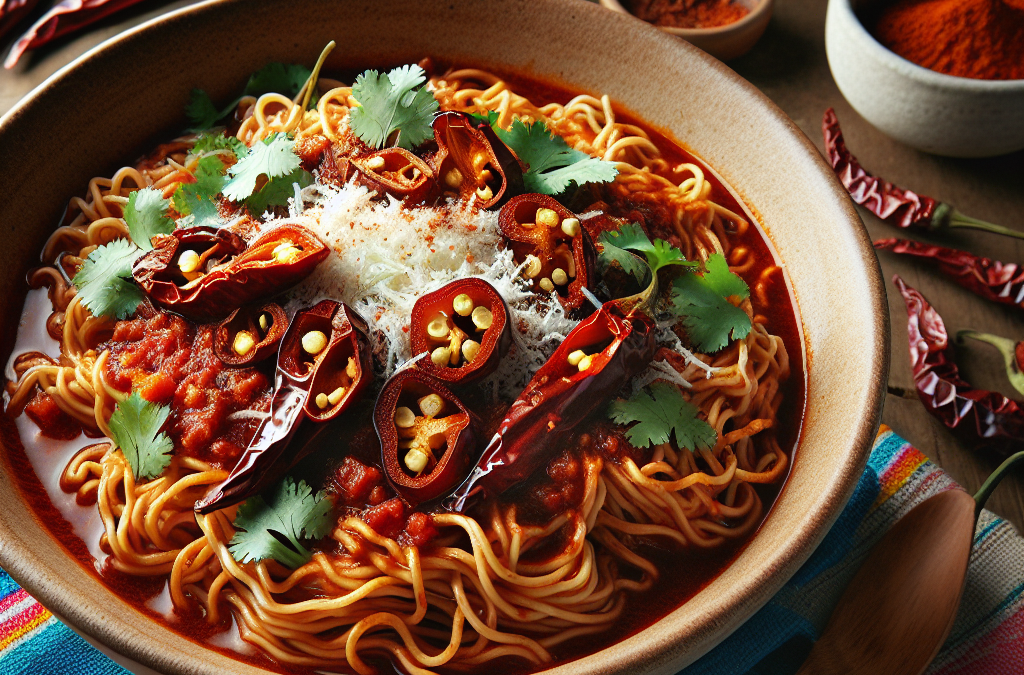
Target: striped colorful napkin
x: 987, y: 637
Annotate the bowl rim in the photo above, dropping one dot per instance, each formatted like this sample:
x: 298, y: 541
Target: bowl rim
x: 866, y: 41
x: 786, y: 560
x: 752, y: 17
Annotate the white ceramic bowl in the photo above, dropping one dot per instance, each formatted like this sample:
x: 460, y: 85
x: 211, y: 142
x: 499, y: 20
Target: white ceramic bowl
x: 930, y: 111
x: 722, y: 42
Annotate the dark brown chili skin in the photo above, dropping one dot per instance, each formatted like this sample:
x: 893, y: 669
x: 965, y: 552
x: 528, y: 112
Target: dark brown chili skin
x: 494, y: 342
x: 559, y: 398
x: 451, y: 468
x: 248, y: 319
x: 984, y: 418
x: 547, y: 244
x: 462, y: 141
x: 397, y: 172
x: 232, y: 274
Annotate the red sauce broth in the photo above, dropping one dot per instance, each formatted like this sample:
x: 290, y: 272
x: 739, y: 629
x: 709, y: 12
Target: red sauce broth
x: 684, y: 572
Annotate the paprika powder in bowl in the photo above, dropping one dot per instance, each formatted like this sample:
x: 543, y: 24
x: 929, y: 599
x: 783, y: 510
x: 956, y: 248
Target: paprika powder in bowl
x: 932, y: 111
x: 726, y: 30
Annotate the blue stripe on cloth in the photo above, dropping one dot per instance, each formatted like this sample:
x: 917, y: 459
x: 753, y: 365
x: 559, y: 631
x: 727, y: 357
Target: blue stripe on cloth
x: 7, y: 584
x: 56, y: 650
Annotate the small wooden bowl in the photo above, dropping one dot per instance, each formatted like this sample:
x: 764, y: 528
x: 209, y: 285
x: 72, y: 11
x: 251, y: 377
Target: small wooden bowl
x: 723, y: 42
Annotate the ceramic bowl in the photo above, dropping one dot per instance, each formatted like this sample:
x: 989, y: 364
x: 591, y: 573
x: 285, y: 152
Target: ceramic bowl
x: 722, y: 42
x: 119, y: 100
x: 930, y: 111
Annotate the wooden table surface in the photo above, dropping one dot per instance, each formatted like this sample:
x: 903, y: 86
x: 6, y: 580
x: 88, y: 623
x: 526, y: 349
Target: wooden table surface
x: 789, y: 66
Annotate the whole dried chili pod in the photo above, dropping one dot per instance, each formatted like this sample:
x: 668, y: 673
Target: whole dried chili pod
x: 13, y: 11
x: 473, y: 162
x: 1012, y: 352
x: 342, y: 360
x: 465, y: 326
x: 426, y: 434
x: 204, y: 273
x: 250, y: 334
x: 891, y: 203
x: 558, y: 253
x: 397, y: 172
x: 598, y: 357
x: 991, y: 279
x: 981, y: 416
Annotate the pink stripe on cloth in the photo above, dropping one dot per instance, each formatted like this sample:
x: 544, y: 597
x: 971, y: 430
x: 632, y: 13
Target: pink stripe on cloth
x: 22, y: 623
x: 13, y: 599
x: 1000, y: 652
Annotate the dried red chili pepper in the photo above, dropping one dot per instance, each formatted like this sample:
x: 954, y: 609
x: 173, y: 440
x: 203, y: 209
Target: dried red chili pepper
x: 342, y: 360
x: 890, y: 202
x: 465, y: 327
x: 13, y: 11
x: 473, y: 162
x: 426, y: 434
x: 598, y: 357
x: 1012, y: 352
x: 991, y: 279
x: 327, y: 348
x: 63, y: 18
x: 395, y: 171
x: 559, y: 254
x: 982, y: 416
x: 250, y: 334
x: 204, y: 273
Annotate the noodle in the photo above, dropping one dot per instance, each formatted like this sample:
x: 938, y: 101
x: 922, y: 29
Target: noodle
x: 479, y: 594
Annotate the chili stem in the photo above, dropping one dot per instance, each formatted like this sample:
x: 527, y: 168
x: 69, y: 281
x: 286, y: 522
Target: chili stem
x: 1006, y: 347
x: 982, y: 495
x: 950, y: 217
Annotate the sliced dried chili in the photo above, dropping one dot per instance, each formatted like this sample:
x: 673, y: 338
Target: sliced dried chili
x: 465, y: 326
x: 204, y: 273
x: 891, y: 203
x: 250, y: 334
x: 991, y: 279
x: 598, y: 357
x: 397, y: 172
x: 472, y: 162
x: 984, y: 417
x: 427, y: 436
x: 557, y: 253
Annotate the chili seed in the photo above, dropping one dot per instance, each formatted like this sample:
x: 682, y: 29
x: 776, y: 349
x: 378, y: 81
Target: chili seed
x: 376, y: 163
x: 585, y: 363
x: 440, y: 356
x: 547, y: 217
x: 559, y: 277
x: 482, y: 318
x: 314, y: 342
x: 336, y: 395
x: 484, y: 193
x: 470, y: 349
x: 571, y: 226
x: 243, y: 343
x: 462, y: 304
x: 546, y: 285
x: 438, y: 328
x: 431, y: 405
x: 453, y: 179
x: 570, y: 266
x: 404, y: 417
x: 286, y: 253
x: 576, y: 356
x: 416, y: 461
x: 352, y: 368
x: 188, y: 262
x: 322, y: 401
x: 264, y: 322
x: 533, y: 266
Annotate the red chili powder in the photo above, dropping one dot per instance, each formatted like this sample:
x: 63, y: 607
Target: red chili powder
x: 687, y: 13
x: 982, y: 39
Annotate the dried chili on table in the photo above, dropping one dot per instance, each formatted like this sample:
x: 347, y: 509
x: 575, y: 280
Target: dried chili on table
x: 427, y: 436
x: 204, y: 273
x: 13, y: 11
x: 466, y: 329
x: 981, y: 416
x: 250, y: 334
x: 893, y: 204
x: 991, y: 279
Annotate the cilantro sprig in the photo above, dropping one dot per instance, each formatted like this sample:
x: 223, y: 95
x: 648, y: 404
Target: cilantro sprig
x: 281, y: 78
x: 631, y: 237
x: 273, y: 162
x: 105, y: 281
x: 199, y: 199
x: 701, y: 300
x: 393, y: 108
x: 553, y: 165
x: 146, y: 216
x: 660, y: 412
x: 135, y: 426
x: 275, y: 526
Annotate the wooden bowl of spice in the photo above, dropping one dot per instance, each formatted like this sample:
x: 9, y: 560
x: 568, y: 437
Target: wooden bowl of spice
x: 726, y: 29
x: 943, y: 76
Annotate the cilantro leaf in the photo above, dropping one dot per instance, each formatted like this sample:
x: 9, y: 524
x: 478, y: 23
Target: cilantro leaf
x: 213, y: 141
x: 553, y: 164
x: 135, y: 425
x: 200, y: 198
x: 202, y: 113
x: 390, y: 103
x: 105, y: 280
x: 274, y: 157
x: 660, y: 413
x: 610, y: 253
x: 280, y: 78
x: 631, y: 236
x: 701, y: 301
x: 146, y: 217
x: 273, y: 527
x: 277, y: 191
